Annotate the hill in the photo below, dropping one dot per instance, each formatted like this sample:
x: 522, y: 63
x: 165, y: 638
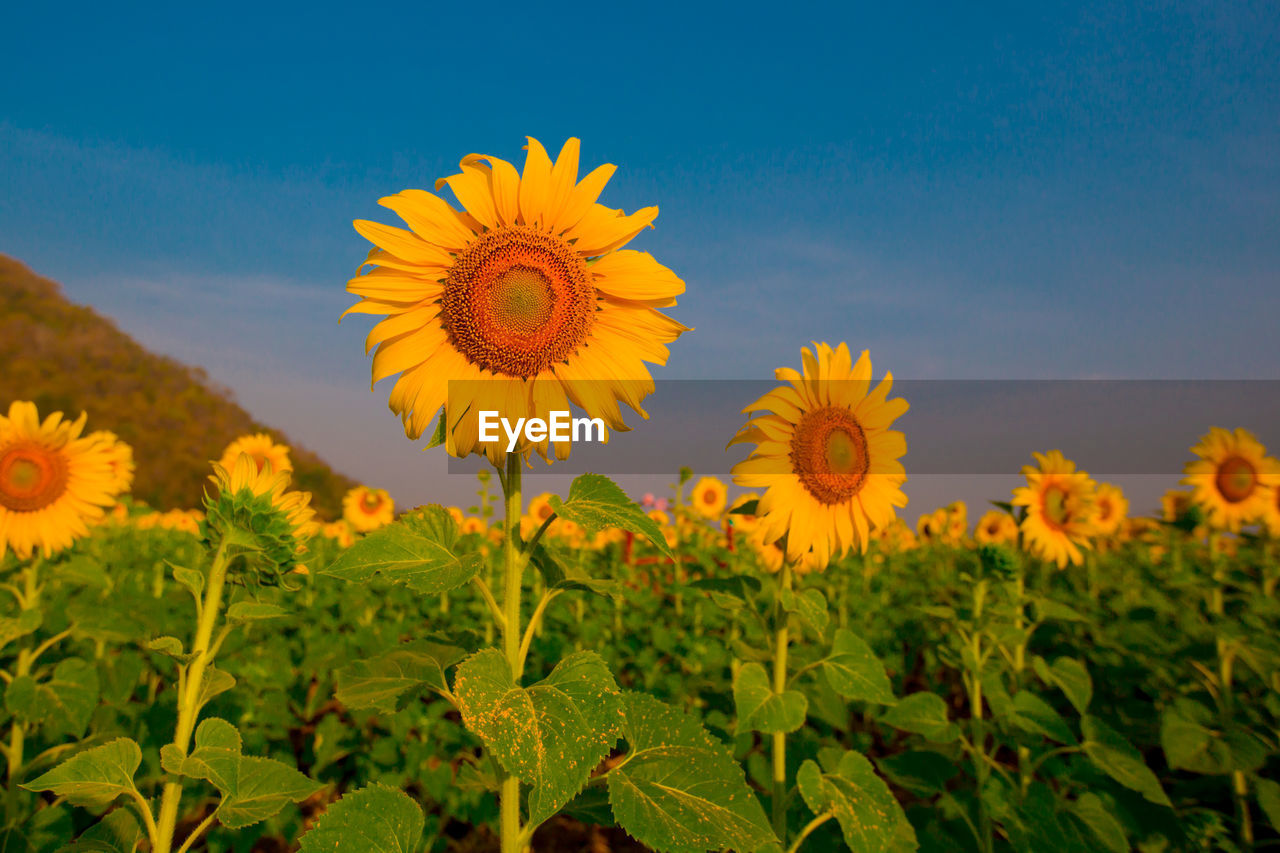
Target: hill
x: 67, y: 357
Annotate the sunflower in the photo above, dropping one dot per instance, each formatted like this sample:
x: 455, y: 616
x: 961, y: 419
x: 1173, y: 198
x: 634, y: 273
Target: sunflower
x: 1231, y: 480
x: 528, y: 285
x: 254, y: 501
x: 957, y: 522
x: 825, y: 454
x: 896, y: 538
x: 1111, y: 508
x: 932, y: 526
x: 1271, y: 517
x: 741, y: 522
x: 339, y: 531
x: 54, y: 483
x: 260, y: 447
x: 709, y: 497
x: 1060, y: 513
x: 367, y: 509
x: 996, y: 527
x: 471, y: 524
x: 121, y: 459
x: 539, y: 511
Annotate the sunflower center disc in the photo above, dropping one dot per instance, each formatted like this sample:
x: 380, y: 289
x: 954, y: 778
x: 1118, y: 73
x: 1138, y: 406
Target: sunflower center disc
x: 1056, y: 509
x: 31, y: 477
x: 829, y: 453
x: 518, y: 301
x: 1236, y: 479
x: 370, y: 502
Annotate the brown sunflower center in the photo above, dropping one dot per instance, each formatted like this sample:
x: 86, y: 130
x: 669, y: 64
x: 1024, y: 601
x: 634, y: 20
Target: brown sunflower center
x: 1104, y: 510
x: 829, y: 453
x: 370, y: 502
x: 31, y: 476
x: 1056, y: 504
x: 709, y: 496
x: 1236, y: 479
x: 518, y: 301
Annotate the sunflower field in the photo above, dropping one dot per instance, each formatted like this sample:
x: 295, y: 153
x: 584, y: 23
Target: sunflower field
x: 787, y: 668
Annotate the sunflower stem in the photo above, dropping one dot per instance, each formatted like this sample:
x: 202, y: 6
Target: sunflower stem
x: 779, y: 687
x: 509, y: 799
x: 189, y: 694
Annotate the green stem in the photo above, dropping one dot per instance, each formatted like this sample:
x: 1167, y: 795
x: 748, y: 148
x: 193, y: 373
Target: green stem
x: 779, y: 687
x: 509, y: 799
x: 808, y: 830
x: 189, y: 692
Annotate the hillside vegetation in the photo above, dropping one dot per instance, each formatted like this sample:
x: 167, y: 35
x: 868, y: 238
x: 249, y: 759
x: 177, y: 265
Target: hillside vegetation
x: 68, y: 357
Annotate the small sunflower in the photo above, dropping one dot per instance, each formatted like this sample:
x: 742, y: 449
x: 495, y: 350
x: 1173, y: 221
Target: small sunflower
x: 709, y: 497
x: 932, y: 526
x: 741, y: 522
x: 1111, y: 508
x: 825, y: 454
x: 254, y: 508
x: 897, y: 538
x: 262, y: 449
x: 53, y: 482
x: 996, y: 527
x: 1059, y: 502
x: 519, y: 302
x: 121, y: 459
x: 339, y: 531
x: 1231, y: 480
x: 367, y: 509
x: 539, y: 510
x: 471, y: 524
x: 957, y: 522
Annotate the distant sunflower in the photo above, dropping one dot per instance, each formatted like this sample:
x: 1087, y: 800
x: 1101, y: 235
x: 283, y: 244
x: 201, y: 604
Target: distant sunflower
x: 1059, y: 502
x: 1231, y: 480
x: 957, y: 522
x: 526, y: 284
x: 1111, y: 508
x: 367, y: 509
x: 256, y: 500
x: 825, y: 455
x: 53, y: 482
x: 262, y: 449
x: 932, y: 526
x: 1175, y: 504
x: 471, y: 524
x: 120, y: 456
x: 539, y: 510
x: 709, y: 497
x: 996, y: 527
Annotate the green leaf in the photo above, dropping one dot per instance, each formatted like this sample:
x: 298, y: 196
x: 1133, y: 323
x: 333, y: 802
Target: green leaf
x: 63, y: 704
x: 1047, y: 608
x: 1094, y: 814
x: 253, y: 789
x: 922, y: 772
x: 1112, y: 754
x: 870, y: 818
x: 384, y: 681
x: 170, y: 647
x: 678, y: 789
x: 95, y: 777
x: 417, y: 550
x: 1070, y: 676
x: 118, y: 832
x: 569, y: 578
x: 189, y: 578
x: 25, y: 623
x: 1268, y: 795
x: 551, y: 735
x: 854, y: 671
x: 597, y: 503
x: 1188, y: 740
x: 1034, y: 715
x: 375, y: 819
x: 811, y: 606
x: 925, y: 714
x: 762, y: 710
x: 438, y: 435
x: 215, y: 683
x: 252, y: 611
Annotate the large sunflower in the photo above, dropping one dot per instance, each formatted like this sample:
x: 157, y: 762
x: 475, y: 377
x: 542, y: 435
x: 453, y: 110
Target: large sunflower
x: 1231, y: 480
x: 527, y: 284
x: 825, y: 454
x: 1060, y: 511
x: 53, y: 482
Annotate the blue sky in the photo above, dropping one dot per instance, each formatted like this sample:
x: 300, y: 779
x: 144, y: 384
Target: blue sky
x: 1016, y: 190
